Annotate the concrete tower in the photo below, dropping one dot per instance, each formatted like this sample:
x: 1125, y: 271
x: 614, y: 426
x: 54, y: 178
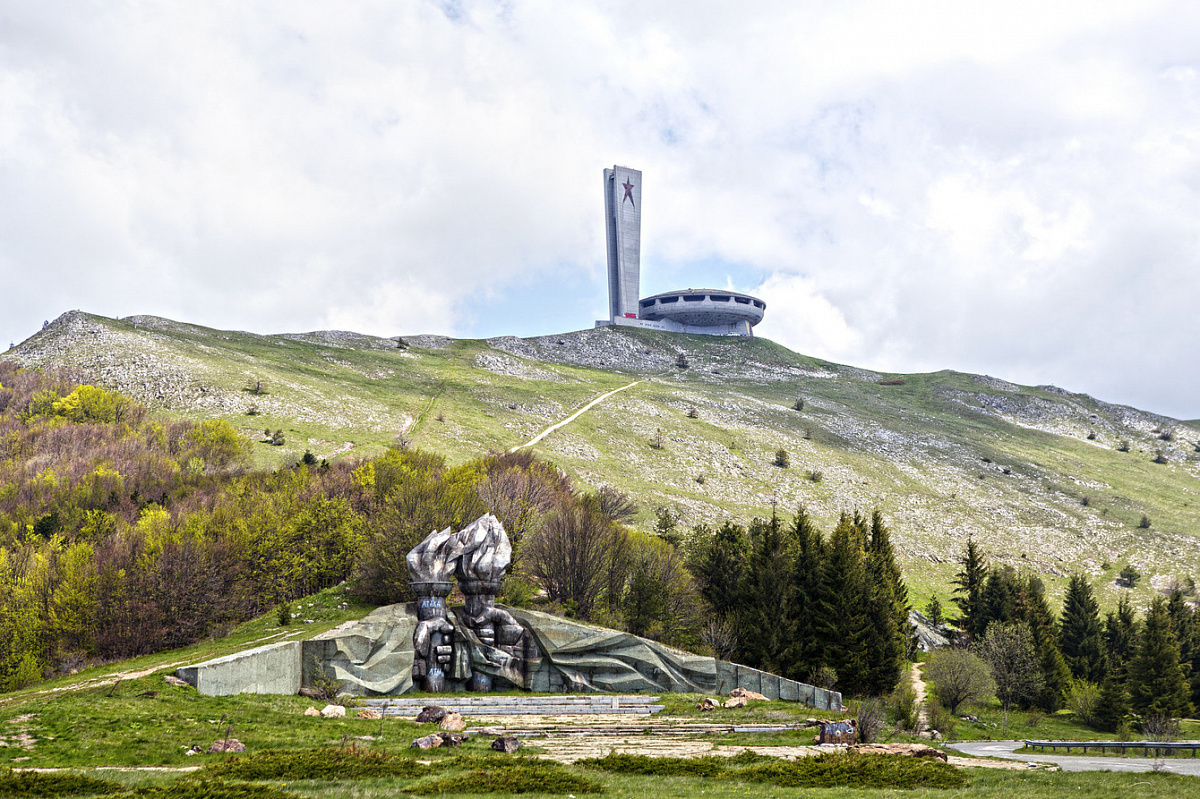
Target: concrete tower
x: 623, y: 214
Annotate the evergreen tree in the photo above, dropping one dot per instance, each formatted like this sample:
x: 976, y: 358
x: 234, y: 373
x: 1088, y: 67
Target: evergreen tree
x: 968, y: 592
x: 1035, y: 611
x: 1081, y: 637
x: 846, y: 624
x: 1120, y: 637
x: 1002, y: 596
x: 719, y: 566
x: 806, y: 652
x: 761, y: 620
x: 1156, y: 678
x: 888, y: 630
x: 1113, y: 706
x: 1185, y: 623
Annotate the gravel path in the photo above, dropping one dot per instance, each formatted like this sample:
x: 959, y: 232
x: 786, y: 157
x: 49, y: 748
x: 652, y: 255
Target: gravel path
x: 572, y: 417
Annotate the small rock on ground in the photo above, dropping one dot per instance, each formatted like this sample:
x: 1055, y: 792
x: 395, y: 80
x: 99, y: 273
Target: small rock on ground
x: 370, y: 713
x: 333, y: 712
x: 748, y: 694
x: 312, y: 711
x: 171, y: 679
x: 735, y: 701
x: 229, y: 745
x: 453, y: 722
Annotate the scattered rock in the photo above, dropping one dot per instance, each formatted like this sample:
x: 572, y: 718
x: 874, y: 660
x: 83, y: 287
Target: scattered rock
x: 171, y: 679
x: 909, y: 750
x: 333, y: 712
x: 195, y: 750
x: 431, y: 714
x: 370, y: 713
x: 312, y: 711
x: 453, y: 722
x: 506, y: 743
x: 436, y: 739
x: 969, y: 717
x: 708, y: 703
x: 748, y: 694
x: 930, y: 735
x: 432, y: 741
x: 735, y: 701
x: 228, y: 745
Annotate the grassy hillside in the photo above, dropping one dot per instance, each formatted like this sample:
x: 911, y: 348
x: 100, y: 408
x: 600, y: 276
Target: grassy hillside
x: 1034, y: 474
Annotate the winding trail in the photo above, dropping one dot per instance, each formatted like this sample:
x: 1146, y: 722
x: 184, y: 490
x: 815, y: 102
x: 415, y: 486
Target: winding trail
x: 918, y: 685
x: 572, y: 417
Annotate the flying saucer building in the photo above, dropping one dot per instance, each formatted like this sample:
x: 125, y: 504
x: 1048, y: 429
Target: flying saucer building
x: 711, y: 312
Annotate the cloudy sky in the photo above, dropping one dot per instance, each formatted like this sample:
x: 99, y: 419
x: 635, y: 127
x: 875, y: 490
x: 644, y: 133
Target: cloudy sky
x: 1005, y: 188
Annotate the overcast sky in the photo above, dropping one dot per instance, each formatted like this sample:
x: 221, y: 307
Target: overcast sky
x: 1004, y: 188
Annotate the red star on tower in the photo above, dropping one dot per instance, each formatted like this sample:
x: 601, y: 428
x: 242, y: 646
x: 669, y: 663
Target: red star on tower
x: 628, y: 193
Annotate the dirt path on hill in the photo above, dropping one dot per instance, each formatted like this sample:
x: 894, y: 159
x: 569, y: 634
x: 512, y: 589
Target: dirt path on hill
x: 572, y: 417
x: 918, y: 685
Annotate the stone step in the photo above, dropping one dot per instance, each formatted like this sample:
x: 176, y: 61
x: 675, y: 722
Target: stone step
x: 532, y: 710
x: 602, y: 701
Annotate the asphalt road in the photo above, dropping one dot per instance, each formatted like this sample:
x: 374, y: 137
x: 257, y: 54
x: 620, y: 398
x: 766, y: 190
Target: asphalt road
x: 1005, y: 749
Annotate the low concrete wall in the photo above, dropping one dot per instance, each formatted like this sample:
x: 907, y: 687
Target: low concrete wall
x: 772, y: 686
x: 269, y: 669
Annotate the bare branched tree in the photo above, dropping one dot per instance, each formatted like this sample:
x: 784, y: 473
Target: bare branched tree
x: 571, y: 554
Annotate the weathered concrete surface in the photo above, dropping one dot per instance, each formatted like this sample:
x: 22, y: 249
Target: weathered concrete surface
x: 270, y: 669
x: 373, y: 655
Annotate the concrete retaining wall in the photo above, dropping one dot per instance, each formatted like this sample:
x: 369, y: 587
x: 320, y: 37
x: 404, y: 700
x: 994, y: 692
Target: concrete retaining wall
x: 270, y: 669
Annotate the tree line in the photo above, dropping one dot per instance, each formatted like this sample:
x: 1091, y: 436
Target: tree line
x: 784, y: 598
x: 1104, y: 669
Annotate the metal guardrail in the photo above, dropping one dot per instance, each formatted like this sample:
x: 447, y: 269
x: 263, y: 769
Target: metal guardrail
x: 1158, y: 747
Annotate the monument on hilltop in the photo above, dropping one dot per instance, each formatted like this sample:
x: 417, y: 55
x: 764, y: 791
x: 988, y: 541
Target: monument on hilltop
x: 711, y: 312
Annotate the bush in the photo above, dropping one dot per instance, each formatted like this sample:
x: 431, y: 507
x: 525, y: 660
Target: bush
x: 781, y: 458
x: 191, y: 788
x: 941, y: 719
x: 1122, y: 446
x: 693, y: 413
x: 30, y: 783
x: 283, y: 614
x: 657, y: 766
x: 521, y: 776
x: 1129, y: 575
x: 824, y: 677
x: 798, y: 405
x: 855, y: 771
x: 330, y: 763
x: 1083, y: 698
x: 815, y: 475
x: 1160, y: 456
x: 870, y: 717
x: 1144, y: 524
x: 904, y: 705
x: 682, y: 361
x: 958, y: 676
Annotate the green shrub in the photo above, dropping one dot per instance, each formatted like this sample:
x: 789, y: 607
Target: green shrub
x: 30, y: 783
x: 658, y: 766
x: 520, y: 776
x: 312, y: 764
x: 189, y: 788
x: 855, y: 771
x: 781, y: 458
x: 941, y: 719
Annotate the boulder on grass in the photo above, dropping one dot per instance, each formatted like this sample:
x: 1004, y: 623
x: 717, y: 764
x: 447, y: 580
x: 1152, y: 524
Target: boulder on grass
x: 748, y: 694
x: 171, y: 679
x: 370, y: 713
x: 506, y: 743
x: 312, y: 711
x: 431, y: 741
x: 431, y: 714
x: 735, y: 701
x: 333, y: 712
x: 453, y: 722
x: 707, y: 704
x: 227, y: 745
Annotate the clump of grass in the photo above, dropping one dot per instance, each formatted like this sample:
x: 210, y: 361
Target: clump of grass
x: 657, y: 766
x: 855, y: 771
x: 30, y: 783
x: 190, y: 788
x: 311, y: 764
x: 520, y: 776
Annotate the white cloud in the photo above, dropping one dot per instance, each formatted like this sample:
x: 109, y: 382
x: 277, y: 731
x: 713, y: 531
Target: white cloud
x: 1003, y: 187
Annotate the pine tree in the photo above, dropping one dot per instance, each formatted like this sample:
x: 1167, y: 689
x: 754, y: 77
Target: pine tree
x: 1035, y: 611
x: 1081, y: 637
x: 845, y: 622
x: 762, y: 618
x: 1185, y: 623
x: 968, y: 597
x: 1156, y: 678
x: 1113, y: 706
x: 806, y: 652
x: 1120, y: 637
x: 719, y: 566
x: 889, y: 632
x: 1001, y: 596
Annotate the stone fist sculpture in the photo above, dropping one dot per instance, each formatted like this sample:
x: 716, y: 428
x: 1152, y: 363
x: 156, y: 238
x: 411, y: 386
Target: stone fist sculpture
x: 430, y: 566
